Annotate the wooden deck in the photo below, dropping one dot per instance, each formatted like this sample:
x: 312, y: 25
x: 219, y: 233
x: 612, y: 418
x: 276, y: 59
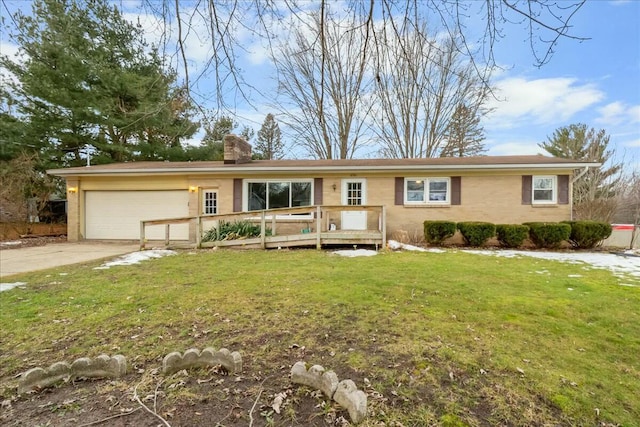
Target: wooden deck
x: 311, y: 225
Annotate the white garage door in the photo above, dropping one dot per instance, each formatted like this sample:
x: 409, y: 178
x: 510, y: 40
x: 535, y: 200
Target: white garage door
x: 117, y: 214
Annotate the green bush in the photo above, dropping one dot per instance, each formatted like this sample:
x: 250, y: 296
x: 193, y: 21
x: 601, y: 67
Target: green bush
x: 511, y: 235
x: 233, y: 231
x: 587, y: 234
x: 477, y: 233
x: 436, y: 232
x: 548, y: 234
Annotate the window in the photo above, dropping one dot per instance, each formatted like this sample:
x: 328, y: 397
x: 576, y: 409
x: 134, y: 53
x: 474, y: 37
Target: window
x: 278, y: 194
x: 427, y: 191
x: 544, y: 189
x: 209, y: 202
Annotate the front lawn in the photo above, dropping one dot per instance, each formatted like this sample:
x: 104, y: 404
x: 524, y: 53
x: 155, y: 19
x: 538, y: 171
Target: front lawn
x: 447, y: 339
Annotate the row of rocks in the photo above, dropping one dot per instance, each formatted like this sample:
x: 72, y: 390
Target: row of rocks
x: 102, y: 366
x: 343, y: 392
x: 105, y: 366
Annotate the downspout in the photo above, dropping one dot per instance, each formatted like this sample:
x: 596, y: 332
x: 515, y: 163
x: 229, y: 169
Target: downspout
x: 574, y: 179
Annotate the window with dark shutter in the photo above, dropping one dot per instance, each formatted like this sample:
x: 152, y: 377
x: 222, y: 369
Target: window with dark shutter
x: 526, y: 189
x: 237, y: 195
x: 399, y: 191
x: 456, y: 197
x: 317, y: 191
x: 563, y: 189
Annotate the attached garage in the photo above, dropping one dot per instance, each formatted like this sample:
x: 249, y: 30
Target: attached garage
x: 117, y: 214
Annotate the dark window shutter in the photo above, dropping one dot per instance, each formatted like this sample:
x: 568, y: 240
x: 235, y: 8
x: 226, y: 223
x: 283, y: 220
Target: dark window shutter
x: 237, y: 195
x: 317, y: 191
x: 455, y: 190
x: 526, y: 189
x: 563, y: 189
x: 399, y: 191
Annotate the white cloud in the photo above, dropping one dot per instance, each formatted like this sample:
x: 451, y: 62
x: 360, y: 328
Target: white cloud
x: 617, y: 113
x: 513, y: 148
x: 9, y: 49
x: 540, y: 101
x: 632, y: 144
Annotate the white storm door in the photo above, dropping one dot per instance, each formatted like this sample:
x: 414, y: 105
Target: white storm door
x: 354, y: 193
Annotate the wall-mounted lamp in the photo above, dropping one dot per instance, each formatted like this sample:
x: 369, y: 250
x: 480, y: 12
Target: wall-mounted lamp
x: 193, y: 189
x: 334, y: 187
x: 72, y: 189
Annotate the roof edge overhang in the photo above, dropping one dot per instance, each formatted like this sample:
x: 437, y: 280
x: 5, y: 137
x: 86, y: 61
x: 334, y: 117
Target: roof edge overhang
x: 237, y: 170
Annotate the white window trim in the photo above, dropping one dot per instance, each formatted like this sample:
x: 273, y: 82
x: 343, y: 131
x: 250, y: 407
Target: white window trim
x: 245, y: 196
x: 554, y: 190
x: 204, y: 202
x: 426, y: 200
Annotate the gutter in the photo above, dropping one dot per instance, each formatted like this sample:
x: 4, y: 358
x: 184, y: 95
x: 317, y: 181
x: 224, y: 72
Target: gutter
x: 293, y: 169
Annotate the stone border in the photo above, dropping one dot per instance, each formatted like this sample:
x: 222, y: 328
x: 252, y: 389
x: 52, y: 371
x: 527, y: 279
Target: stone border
x: 174, y: 362
x: 102, y: 366
x: 344, y: 392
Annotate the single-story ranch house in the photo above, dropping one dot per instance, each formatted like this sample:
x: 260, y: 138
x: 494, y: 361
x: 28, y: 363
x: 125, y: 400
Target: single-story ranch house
x: 109, y: 201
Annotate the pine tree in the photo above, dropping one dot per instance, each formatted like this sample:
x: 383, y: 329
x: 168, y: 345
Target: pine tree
x: 594, y: 193
x: 85, y: 80
x: 269, y: 141
x: 464, y: 135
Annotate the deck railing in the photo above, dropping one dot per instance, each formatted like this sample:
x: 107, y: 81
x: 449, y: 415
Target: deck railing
x: 317, y: 224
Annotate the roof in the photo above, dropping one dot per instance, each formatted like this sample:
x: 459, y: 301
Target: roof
x: 368, y: 165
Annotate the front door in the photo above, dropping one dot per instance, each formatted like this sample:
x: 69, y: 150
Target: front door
x: 354, y: 193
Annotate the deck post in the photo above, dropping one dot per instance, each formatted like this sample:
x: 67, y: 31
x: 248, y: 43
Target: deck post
x: 263, y: 229
x: 166, y: 235
x: 384, y: 227
x: 198, y: 232
x: 318, y: 227
x: 141, y: 235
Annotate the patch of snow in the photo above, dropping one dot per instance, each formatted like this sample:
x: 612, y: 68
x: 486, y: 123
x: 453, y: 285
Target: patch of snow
x: 136, y: 258
x: 11, y: 243
x: 356, y: 253
x: 394, y: 245
x: 569, y: 289
x: 574, y: 275
x: 7, y: 286
x: 618, y: 265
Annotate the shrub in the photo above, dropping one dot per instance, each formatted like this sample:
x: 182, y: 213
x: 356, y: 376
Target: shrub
x: 511, y: 235
x: 477, y: 233
x: 436, y: 232
x: 233, y: 230
x: 548, y: 234
x: 587, y: 234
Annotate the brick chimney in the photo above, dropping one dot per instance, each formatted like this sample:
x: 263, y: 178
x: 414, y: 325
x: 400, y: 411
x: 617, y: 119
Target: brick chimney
x: 236, y: 150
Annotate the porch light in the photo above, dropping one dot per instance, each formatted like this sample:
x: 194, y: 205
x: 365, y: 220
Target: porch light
x: 193, y: 189
x: 72, y: 190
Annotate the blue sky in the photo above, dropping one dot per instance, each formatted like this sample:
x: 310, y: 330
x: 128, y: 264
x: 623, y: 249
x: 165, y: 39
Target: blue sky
x: 596, y: 81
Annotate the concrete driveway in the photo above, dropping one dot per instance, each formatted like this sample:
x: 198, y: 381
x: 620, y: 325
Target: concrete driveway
x: 23, y: 260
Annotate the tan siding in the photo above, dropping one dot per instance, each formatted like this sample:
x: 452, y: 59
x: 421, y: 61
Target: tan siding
x: 486, y: 196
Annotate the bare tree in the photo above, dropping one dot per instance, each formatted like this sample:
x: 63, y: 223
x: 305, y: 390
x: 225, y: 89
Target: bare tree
x: 224, y: 24
x: 464, y: 135
x: 420, y: 81
x: 321, y: 80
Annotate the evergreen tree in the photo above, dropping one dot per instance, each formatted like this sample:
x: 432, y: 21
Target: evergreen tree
x: 269, y: 141
x: 464, y: 135
x: 85, y: 81
x: 212, y: 146
x: 595, y: 193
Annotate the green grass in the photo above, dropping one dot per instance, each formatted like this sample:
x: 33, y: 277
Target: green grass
x: 447, y: 339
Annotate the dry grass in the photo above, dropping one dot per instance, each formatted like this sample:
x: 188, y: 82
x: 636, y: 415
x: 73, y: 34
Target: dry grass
x: 441, y: 339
